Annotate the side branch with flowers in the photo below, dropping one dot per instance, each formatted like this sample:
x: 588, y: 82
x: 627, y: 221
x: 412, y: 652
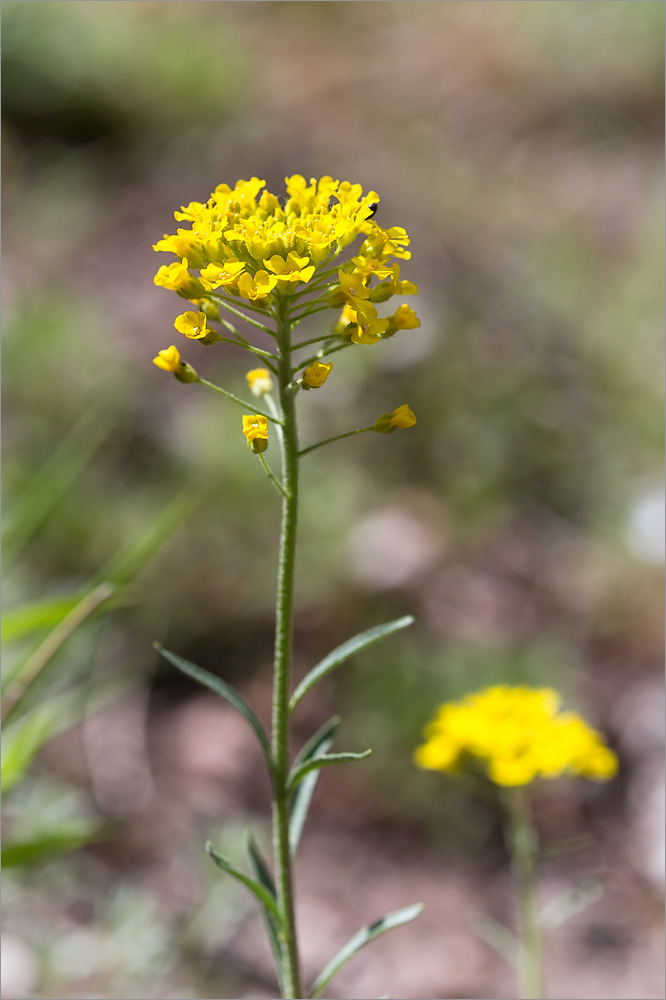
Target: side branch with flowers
x: 282, y: 263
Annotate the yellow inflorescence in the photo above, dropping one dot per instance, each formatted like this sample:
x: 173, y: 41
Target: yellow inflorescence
x: 515, y: 735
x: 245, y: 243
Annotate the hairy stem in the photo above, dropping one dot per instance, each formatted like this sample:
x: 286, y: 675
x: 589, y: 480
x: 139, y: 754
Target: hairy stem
x: 282, y: 667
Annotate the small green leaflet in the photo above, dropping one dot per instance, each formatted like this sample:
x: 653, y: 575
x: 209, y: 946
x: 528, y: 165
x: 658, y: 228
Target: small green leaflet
x: 343, y: 652
x: 220, y: 687
x: 359, y: 940
x: 322, y: 760
x: 317, y: 745
x: 256, y: 888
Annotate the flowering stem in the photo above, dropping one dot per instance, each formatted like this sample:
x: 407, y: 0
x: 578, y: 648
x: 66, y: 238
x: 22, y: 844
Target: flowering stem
x: 271, y: 475
x: 237, y: 399
x: 338, y: 437
x: 290, y: 973
x: 523, y: 845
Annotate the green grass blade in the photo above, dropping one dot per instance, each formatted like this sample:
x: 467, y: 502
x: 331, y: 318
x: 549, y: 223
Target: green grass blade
x: 324, y: 760
x: 35, y: 664
x: 220, y: 687
x: 359, y: 940
x: 124, y: 567
x: 343, y: 652
x: 255, y: 887
x: 20, y: 622
x: 52, y: 482
x: 27, y: 852
x: 319, y: 744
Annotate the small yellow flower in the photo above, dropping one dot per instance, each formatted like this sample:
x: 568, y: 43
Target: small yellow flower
x: 257, y: 287
x: 255, y: 429
x: 221, y: 275
x: 401, y: 417
x: 369, y: 329
x: 294, y: 268
x: 169, y: 360
x: 192, y: 324
x: 178, y: 278
x: 515, y: 735
x: 316, y: 374
x: 259, y: 381
x: 404, y: 318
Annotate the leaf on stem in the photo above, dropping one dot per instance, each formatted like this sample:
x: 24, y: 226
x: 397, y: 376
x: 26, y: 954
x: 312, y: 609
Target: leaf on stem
x: 573, y: 901
x: 316, y: 746
x: 343, y: 652
x: 360, y: 939
x: 323, y: 760
x: 256, y: 888
x: 220, y: 687
x: 264, y: 877
x: 498, y: 937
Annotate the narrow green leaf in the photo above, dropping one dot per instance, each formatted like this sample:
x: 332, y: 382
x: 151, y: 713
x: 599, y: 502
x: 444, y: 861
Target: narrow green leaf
x: 359, y: 940
x: 264, y: 877
x: 220, y: 687
x: 319, y: 744
x: 343, y: 652
x: 256, y: 888
x: 260, y: 866
x: 324, y: 760
x: 573, y: 901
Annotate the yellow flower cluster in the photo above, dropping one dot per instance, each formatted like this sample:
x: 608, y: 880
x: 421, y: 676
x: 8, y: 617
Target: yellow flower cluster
x: 245, y: 243
x: 515, y: 735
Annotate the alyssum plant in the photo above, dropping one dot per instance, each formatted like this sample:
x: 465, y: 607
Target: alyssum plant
x: 272, y: 265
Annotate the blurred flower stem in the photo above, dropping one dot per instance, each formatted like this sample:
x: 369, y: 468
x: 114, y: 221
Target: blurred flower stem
x: 522, y: 841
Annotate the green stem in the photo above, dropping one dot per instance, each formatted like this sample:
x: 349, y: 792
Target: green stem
x: 247, y: 319
x: 322, y: 354
x: 309, y: 312
x: 523, y: 845
x: 271, y: 475
x: 250, y: 407
x: 282, y: 669
x: 338, y: 437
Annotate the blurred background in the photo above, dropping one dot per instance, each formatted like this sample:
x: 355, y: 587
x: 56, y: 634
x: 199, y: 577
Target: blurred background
x: 521, y: 520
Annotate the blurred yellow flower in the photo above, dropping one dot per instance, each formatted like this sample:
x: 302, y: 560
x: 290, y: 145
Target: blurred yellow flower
x: 259, y: 381
x: 316, y: 374
x: 515, y: 735
x: 404, y: 318
x: 255, y: 429
x: 401, y: 417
